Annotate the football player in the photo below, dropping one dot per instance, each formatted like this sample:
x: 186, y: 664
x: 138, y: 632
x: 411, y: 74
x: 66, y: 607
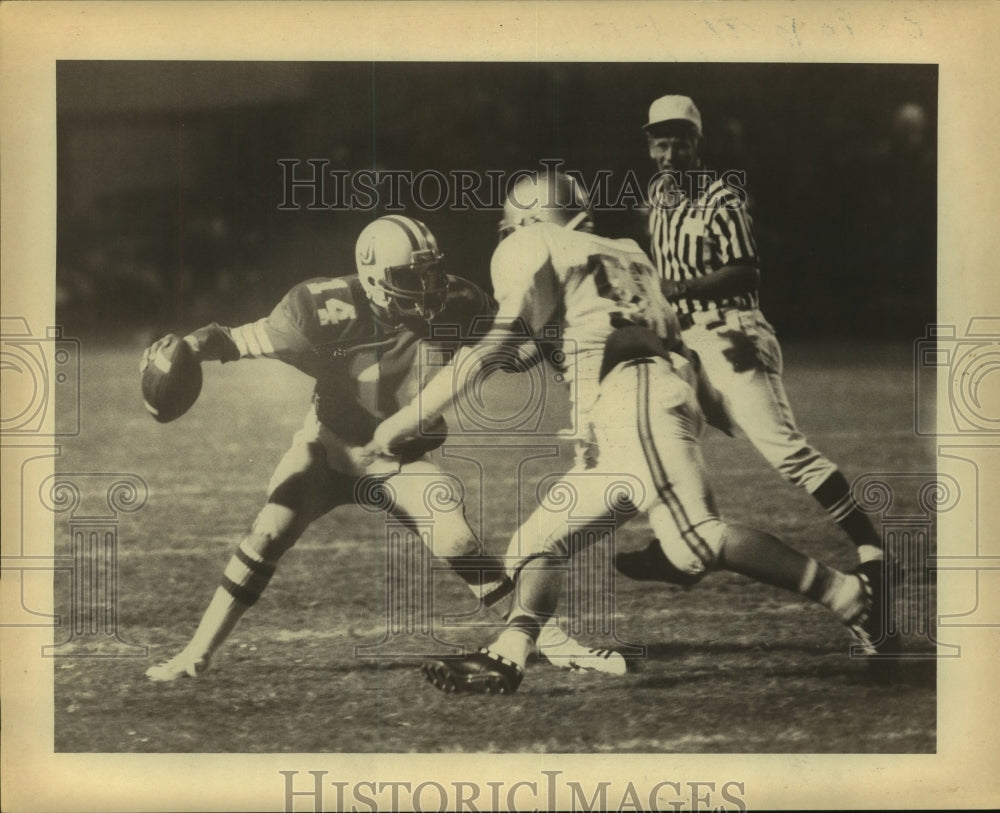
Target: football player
x: 357, y: 336
x: 636, y: 395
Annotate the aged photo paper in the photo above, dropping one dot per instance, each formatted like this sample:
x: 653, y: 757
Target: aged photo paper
x: 871, y: 121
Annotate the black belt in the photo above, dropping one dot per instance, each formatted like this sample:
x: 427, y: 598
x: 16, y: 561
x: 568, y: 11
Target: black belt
x: 711, y: 318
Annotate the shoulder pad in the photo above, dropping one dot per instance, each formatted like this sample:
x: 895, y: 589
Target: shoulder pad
x: 519, y: 258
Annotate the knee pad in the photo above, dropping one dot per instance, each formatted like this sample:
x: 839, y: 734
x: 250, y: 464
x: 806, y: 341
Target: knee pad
x: 696, y: 550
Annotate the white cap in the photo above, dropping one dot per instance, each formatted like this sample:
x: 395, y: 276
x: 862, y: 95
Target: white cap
x: 674, y: 108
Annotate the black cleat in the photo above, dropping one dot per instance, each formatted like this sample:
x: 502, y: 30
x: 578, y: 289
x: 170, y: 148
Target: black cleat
x: 651, y: 565
x: 483, y: 672
x: 874, y: 629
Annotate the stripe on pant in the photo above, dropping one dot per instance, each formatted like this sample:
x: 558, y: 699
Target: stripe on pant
x: 663, y: 487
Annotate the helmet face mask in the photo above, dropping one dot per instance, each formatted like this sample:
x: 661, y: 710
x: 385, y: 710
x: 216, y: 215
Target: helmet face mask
x: 418, y: 289
x: 545, y: 198
x: 401, y: 269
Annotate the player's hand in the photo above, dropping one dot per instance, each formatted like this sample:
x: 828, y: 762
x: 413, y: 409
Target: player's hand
x: 367, y: 460
x: 147, y: 355
x: 192, y: 342
x: 672, y: 290
x: 394, y: 431
x: 150, y: 352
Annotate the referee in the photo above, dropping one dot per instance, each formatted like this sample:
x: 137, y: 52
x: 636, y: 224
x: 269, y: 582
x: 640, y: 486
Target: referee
x: 702, y: 243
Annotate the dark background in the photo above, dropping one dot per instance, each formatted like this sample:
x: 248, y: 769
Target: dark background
x: 169, y: 183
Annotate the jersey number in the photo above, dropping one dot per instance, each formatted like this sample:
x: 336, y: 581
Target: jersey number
x: 627, y: 287
x: 332, y: 310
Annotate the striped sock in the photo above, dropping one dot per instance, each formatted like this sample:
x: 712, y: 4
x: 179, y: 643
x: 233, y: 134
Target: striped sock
x: 834, y: 494
x: 243, y: 580
x: 485, y: 577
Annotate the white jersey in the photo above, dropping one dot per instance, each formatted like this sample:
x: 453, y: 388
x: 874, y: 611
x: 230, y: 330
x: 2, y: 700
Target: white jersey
x: 545, y: 274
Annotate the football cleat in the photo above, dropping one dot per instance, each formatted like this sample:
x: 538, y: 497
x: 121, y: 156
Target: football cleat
x: 651, y: 564
x: 873, y: 628
x: 179, y: 666
x: 578, y: 658
x: 483, y: 672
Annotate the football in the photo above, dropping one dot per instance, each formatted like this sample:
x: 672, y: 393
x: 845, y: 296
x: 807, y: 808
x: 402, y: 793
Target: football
x: 171, y: 378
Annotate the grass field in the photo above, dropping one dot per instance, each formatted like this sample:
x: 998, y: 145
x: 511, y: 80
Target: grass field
x: 728, y: 666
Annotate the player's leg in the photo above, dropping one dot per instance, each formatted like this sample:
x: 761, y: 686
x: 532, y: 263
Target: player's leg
x: 302, y: 489
x: 576, y: 512
x: 537, y: 560
x: 421, y: 489
x: 541, y: 547
x: 682, y: 511
x: 660, y: 429
x: 744, y: 361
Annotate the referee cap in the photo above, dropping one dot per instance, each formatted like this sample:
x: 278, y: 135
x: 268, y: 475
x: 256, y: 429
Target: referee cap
x: 673, y: 108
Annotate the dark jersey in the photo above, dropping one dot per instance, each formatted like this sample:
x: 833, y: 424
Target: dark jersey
x: 692, y: 237
x: 365, y: 369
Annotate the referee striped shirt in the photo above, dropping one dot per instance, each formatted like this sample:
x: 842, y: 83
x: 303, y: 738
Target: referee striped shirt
x: 693, y: 237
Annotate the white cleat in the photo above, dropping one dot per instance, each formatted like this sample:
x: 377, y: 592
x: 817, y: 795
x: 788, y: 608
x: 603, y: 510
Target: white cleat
x: 578, y: 658
x: 179, y: 666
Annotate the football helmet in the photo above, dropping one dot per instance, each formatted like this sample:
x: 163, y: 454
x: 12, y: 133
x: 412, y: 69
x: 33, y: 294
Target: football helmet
x: 400, y: 267
x: 546, y: 198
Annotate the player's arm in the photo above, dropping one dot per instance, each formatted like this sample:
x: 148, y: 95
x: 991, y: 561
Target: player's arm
x: 213, y: 342
x: 524, y: 284
x: 470, y: 366
x: 499, y: 349
x: 472, y: 312
x: 723, y: 283
x: 283, y: 334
